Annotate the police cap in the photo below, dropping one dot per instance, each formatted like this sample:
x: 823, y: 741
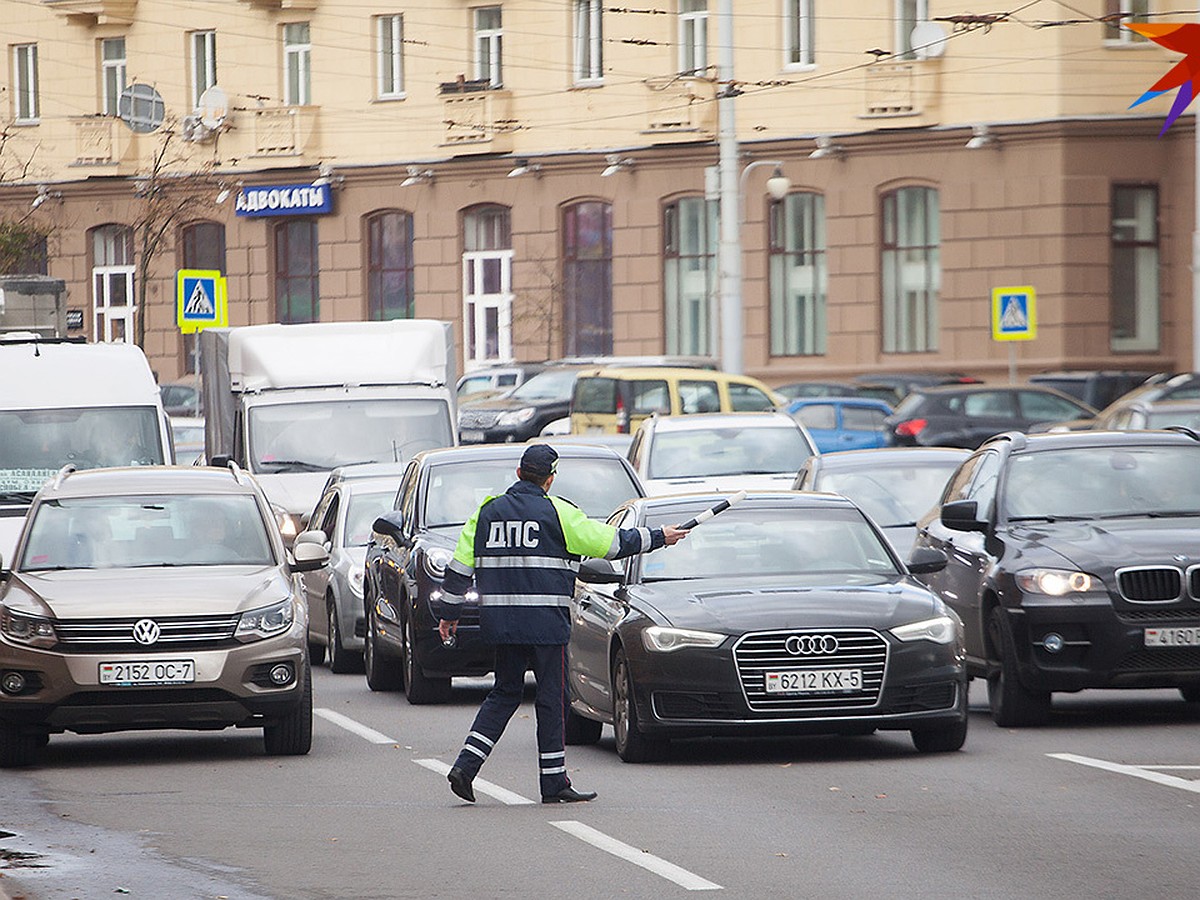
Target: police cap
x: 539, y: 460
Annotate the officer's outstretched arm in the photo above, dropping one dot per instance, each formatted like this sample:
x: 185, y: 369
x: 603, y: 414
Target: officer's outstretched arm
x: 587, y: 537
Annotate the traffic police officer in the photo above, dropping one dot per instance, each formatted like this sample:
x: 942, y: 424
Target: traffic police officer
x: 522, y: 549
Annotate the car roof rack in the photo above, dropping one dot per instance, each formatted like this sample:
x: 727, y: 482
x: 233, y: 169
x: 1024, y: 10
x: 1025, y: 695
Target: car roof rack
x: 62, y: 474
x: 239, y: 474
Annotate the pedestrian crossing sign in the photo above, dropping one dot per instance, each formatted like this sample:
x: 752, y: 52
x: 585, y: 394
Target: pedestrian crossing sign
x: 201, y: 300
x: 1014, y: 314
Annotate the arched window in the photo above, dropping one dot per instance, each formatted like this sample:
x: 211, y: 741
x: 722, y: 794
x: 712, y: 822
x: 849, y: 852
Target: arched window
x: 297, y: 286
x: 911, y: 268
x: 690, y: 275
x: 202, y: 246
x: 487, y: 284
x: 798, y: 275
x: 390, y: 266
x: 587, y: 278
x: 113, y: 299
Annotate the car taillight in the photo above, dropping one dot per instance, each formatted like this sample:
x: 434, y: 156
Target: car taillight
x: 911, y: 428
x: 622, y: 417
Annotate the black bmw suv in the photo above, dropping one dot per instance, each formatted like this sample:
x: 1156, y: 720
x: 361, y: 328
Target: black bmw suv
x: 1074, y: 563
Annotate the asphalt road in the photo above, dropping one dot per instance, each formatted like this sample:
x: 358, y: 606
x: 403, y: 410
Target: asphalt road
x: 1101, y: 804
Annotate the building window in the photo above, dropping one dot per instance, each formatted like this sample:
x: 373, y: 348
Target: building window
x: 589, y: 40
x: 489, y: 39
x: 690, y: 275
x: 909, y: 14
x: 487, y: 285
x: 799, y: 38
x: 297, y: 287
x: 693, y: 36
x: 588, y: 279
x: 390, y: 292
x: 1133, y: 273
x: 25, y: 83
x: 798, y: 275
x: 202, y: 246
x: 204, y: 63
x: 112, y: 73
x: 113, y: 308
x: 1118, y: 13
x: 911, y: 269
x: 297, y: 64
x: 390, y: 31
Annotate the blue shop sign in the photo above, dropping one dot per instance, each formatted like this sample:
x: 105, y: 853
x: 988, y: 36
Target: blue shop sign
x: 284, y: 200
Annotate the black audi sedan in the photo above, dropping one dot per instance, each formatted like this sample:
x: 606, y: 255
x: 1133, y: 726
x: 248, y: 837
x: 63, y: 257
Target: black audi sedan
x: 1074, y: 562
x: 789, y: 613
x: 412, y: 544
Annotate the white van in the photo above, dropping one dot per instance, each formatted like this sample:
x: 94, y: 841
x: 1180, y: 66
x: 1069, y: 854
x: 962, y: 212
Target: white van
x: 64, y: 402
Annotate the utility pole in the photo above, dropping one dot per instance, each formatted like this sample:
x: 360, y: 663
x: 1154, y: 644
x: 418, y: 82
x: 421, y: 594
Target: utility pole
x: 729, y: 256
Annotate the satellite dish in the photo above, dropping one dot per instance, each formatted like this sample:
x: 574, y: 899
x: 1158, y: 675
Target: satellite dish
x: 141, y: 107
x: 928, y: 40
x: 212, y: 108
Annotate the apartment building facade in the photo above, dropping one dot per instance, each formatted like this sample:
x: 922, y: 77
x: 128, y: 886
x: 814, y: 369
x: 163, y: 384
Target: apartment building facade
x: 540, y: 173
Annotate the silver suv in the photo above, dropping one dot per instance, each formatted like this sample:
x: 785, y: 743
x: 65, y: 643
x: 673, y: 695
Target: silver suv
x: 153, y: 597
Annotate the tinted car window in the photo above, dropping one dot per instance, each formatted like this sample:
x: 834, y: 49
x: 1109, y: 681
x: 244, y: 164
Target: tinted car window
x: 855, y: 418
x: 747, y: 398
x: 595, y: 395
x: 983, y: 485
x: 986, y: 404
x: 549, y: 385
x: 364, y: 508
x: 890, y: 498
x: 646, y: 397
x: 1047, y: 407
x: 727, y: 451
x: 699, y: 397
x: 818, y: 415
x: 956, y: 489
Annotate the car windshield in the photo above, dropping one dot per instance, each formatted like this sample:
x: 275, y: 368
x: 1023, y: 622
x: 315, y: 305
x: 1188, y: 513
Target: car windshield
x: 897, y: 495
x: 773, y: 541
x: 549, y: 385
x: 597, y: 486
x: 696, y: 452
x: 147, y: 531
x: 36, y: 443
x: 363, y: 509
x: 318, y: 437
x: 1103, y: 481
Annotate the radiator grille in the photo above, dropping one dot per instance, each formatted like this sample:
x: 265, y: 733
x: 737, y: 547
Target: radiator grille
x: 857, y: 648
x: 116, y: 635
x: 1150, y: 584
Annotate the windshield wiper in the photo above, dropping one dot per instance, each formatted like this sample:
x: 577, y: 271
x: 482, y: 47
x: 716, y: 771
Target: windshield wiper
x: 1152, y: 514
x: 294, y: 464
x: 1051, y: 518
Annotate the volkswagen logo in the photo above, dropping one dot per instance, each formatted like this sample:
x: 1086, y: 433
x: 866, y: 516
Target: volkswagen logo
x: 811, y: 645
x: 146, y: 631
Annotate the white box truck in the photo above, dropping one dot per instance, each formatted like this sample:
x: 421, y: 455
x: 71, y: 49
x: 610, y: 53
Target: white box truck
x: 290, y: 403
x: 65, y: 402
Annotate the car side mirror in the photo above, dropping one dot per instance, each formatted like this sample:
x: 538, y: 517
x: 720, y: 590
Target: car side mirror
x: 926, y: 561
x: 308, y: 556
x: 391, y: 524
x: 600, y: 571
x: 220, y: 461
x: 962, y: 515
x: 315, y: 536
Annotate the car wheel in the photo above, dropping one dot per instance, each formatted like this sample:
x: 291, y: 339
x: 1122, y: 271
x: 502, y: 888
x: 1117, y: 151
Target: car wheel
x: 1190, y: 694
x: 419, y: 689
x: 1011, y: 703
x: 341, y: 660
x: 632, y: 745
x: 383, y: 672
x: 316, y: 652
x: 578, y: 731
x: 945, y: 739
x: 292, y: 735
x: 17, y: 748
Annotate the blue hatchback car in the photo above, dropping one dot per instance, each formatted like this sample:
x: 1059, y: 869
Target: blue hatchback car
x: 842, y: 423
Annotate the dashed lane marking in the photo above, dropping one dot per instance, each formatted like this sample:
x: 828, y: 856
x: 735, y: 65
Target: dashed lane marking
x: 483, y: 787
x: 375, y: 737
x: 647, y: 861
x: 1147, y: 773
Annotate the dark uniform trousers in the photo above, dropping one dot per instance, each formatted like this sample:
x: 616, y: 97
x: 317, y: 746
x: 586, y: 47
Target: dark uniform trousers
x: 549, y: 663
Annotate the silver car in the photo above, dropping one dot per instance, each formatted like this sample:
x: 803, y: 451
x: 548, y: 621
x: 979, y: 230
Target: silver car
x: 353, y: 497
x: 153, y: 597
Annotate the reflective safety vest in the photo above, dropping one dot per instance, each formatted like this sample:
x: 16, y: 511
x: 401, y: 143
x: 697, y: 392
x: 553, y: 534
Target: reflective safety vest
x: 522, y: 549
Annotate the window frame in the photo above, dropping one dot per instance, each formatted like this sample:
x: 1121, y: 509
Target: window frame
x: 897, y: 334
x: 1146, y: 311
x: 26, y: 95
x: 799, y: 23
x: 378, y: 268
x: 202, y: 50
x: 579, y: 261
x: 678, y: 342
x: 487, y: 239
x: 588, y: 42
x: 283, y: 280
x: 114, y: 73
x: 693, y: 36
x: 905, y: 25
x: 488, y: 47
x: 111, y: 246
x: 297, y: 61
x: 798, y: 322
x: 1117, y: 36
x: 389, y: 59
x: 201, y: 245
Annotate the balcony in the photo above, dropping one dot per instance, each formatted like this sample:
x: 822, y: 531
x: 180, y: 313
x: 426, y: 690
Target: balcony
x: 103, y: 141
x: 478, y: 121
x: 95, y: 12
x: 900, y: 89
x: 284, y: 130
x: 681, y: 108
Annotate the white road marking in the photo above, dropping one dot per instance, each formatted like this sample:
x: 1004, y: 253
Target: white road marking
x: 349, y: 724
x: 1143, y: 772
x: 647, y: 861
x: 483, y: 787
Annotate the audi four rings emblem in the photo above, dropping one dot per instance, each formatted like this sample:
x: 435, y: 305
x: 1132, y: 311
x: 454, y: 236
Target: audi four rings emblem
x: 811, y: 645
x: 146, y: 631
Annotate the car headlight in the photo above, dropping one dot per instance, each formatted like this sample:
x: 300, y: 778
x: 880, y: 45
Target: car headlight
x: 940, y: 630
x: 1057, y: 582
x: 660, y: 639
x: 356, y: 582
x: 33, y: 631
x: 516, y: 417
x: 265, y: 621
x: 436, y: 560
